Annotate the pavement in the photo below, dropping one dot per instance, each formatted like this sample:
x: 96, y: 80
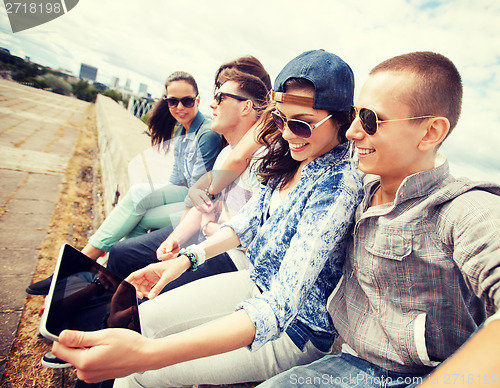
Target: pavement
x: 37, y: 138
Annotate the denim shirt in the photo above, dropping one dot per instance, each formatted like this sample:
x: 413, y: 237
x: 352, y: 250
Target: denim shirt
x: 421, y: 272
x: 195, y: 152
x: 298, y: 251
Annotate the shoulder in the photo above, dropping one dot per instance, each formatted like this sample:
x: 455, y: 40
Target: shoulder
x: 466, y: 205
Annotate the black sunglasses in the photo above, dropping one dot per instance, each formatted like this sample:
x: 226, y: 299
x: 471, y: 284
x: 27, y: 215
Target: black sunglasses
x: 187, y: 102
x: 218, y: 97
x: 369, y: 119
x: 297, y: 127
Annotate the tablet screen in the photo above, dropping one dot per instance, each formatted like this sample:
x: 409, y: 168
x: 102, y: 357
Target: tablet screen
x: 86, y: 296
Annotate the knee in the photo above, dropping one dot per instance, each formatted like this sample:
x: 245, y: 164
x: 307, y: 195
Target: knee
x: 116, y: 258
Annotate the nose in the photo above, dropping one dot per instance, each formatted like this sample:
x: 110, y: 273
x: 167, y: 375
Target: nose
x: 214, y: 104
x: 286, y: 133
x: 355, y: 131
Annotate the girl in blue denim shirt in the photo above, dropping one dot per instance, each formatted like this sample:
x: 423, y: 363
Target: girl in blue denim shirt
x: 250, y: 325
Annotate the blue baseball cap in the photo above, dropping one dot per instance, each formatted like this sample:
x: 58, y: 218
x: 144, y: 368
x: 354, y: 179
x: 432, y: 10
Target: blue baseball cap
x: 333, y: 80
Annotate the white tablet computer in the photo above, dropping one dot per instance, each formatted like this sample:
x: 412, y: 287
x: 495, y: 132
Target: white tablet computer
x: 86, y: 296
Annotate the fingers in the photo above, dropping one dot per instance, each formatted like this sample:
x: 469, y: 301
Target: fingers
x: 166, y: 256
x: 72, y: 343
x: 153, y: 293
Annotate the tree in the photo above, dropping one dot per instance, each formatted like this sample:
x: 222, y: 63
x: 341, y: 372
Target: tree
x: 57, y: 84
x: 83, y: 91
x: 115, y: 95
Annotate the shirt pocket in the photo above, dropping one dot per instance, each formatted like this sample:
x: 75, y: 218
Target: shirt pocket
x: 390, y: 266
x: 391, y: 245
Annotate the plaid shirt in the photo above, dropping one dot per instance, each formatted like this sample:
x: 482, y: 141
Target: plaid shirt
x: 421, y: 272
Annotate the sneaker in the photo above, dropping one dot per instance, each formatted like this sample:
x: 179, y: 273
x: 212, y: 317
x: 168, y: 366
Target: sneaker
x: 40, y: 288
x: 51, y: 361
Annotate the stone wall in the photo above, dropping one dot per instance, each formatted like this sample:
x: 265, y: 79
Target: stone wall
x: 125, y: 150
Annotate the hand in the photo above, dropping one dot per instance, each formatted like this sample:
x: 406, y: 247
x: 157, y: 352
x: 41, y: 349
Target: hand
x: 104, y: 354
x: 150, y: 280
x: 200, y: 200
x: 168, y: 248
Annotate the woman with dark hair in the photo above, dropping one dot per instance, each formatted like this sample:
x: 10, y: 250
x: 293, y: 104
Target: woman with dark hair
x: 175, y: 118
x: 295, y: 231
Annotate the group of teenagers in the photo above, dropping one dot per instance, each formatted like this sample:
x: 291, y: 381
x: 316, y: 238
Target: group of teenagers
x: 305, y: 218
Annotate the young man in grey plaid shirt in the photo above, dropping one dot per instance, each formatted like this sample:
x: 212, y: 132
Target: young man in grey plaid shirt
x: 423, y: 266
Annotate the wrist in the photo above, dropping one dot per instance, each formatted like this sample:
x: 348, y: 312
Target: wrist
x: 195, y: 254
x: 210, y: 195
x: 203, y: 231
x: 199, y: 252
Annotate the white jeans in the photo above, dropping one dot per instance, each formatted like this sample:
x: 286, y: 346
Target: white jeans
x: 205, y: 300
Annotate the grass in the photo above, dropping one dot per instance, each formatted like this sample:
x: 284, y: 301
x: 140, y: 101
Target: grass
x: 74, y: 219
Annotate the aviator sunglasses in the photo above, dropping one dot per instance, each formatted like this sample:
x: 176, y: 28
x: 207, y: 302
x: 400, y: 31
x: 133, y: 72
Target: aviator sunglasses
x: 187, y: 102
x: 297, y: 127
x: 369, y: 119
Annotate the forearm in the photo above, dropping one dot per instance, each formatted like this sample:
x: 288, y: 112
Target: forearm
x: 189, y: 225
x: 223, y: 240
x: 220, y: 336
x: 477, y: 362
x: 202, y: 183
x: 236, y: 162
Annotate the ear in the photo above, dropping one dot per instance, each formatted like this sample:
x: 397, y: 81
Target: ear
x: 436, y: 131
x: 247, y: 108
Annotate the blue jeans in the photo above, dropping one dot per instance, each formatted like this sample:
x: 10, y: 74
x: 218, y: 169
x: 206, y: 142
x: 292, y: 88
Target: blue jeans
x: 342, y: 370
x: 135, y: 253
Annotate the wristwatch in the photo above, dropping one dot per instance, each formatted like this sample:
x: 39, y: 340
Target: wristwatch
x: 212, y: 197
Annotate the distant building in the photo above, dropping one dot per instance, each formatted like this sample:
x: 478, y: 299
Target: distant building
x: 143, y: 89
x: 114, y: 82
x: 67, y: 75
x: 88, y: 72
x: 127, y: 85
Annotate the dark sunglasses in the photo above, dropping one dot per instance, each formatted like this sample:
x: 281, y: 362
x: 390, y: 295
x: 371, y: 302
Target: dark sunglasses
x: 187, y: 102
x: 369, y: 119
x: 218, y: 97
x: 297, y: 127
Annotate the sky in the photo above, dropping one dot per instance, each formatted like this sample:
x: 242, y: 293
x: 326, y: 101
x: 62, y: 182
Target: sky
x: 145, y: 41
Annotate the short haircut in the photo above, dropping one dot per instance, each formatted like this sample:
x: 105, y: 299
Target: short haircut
x: 437, y: 89
x: 249, y: 86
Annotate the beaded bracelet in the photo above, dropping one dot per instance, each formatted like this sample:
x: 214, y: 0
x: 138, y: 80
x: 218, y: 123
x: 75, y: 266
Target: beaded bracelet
x: 192, y: 258
x: 199, y: 253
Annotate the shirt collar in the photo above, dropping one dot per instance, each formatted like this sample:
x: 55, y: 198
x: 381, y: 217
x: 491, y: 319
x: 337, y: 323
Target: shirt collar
x: 196, y: 123
x: 418, y: 184
x: 328, y: 159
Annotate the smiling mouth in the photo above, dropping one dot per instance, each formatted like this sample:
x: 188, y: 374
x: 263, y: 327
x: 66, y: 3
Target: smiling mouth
x: 295, y: 147
x: 365, y: 151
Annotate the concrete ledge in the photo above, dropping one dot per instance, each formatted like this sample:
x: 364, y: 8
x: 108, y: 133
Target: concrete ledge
x: 126, y: 154
x: 121, y: 137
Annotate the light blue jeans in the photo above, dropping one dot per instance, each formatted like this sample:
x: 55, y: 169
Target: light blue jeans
x: 140, y: 210
x: 342, y: 370
x: 205, y: 300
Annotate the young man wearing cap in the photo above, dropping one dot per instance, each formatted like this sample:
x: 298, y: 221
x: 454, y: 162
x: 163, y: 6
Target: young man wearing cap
x: 295, y: 230
x: 423, y: 266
